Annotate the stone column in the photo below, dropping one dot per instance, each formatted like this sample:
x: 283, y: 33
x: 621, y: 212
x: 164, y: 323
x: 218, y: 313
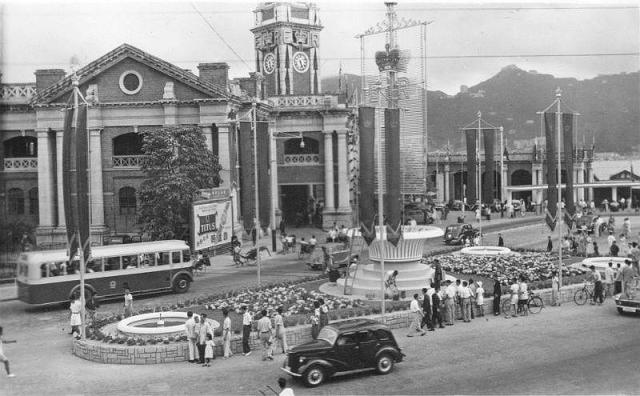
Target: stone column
x: 590, y: 180
x: 60, y: 190
x: 447, y: 170
x: 614, y: 193
x: 343, y: 180
x: 328, y: 171
x: 46, y: 179
x: 206, y: 131
x: 505, y: 183
x: 95, y: 165
x: 580, y: 180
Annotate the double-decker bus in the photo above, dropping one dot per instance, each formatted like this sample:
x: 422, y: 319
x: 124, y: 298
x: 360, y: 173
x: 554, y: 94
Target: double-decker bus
x: 48, y: 276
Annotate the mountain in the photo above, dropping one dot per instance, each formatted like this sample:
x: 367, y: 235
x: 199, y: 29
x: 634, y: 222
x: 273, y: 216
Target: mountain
x: 609, y: 106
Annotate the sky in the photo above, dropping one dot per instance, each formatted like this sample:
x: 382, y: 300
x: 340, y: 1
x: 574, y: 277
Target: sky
x: 467, y: 42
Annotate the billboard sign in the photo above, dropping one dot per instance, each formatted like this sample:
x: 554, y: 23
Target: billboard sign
x: 211, y: 223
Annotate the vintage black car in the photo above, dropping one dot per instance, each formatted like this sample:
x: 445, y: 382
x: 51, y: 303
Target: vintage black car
x: 455, y: 234
x: 343, y: 348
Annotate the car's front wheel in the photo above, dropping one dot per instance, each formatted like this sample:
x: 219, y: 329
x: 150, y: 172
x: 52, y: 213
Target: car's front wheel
x: 314, y: 376
x: 384, y: 364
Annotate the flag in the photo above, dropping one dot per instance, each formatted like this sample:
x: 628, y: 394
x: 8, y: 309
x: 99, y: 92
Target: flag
x: 393, y: 198
x: 368, y: 234
x: 393, y: 236
x: 75, y: 181
x: 488, y: 184
x: 366, y: 126
x: 471, y: 166
x: 247, y: 188
x: 551, y: 165
x: 567, y: 137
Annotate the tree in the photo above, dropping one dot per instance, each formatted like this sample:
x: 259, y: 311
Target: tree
x: 178, y: 165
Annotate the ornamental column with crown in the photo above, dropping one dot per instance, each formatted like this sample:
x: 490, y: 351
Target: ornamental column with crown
x: 287, y: 38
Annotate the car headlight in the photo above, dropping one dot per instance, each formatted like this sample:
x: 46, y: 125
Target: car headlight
x: 301, y: 359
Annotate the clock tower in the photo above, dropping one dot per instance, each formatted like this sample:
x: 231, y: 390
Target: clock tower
x: 287, y: 40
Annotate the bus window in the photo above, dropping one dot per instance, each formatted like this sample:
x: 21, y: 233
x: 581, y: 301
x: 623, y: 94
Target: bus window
x: 24, y: 270
x: 164, y: 259
x: 175, y: 256
x: 112, y: 264
x: 43, y: 270
x: 94, y: 266
x: 186, y: 255
x: 130, y: 262
x: 72, y: 268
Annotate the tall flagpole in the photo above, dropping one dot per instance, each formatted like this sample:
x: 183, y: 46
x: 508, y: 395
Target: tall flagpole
x: 559, y: 211
x: 502, y: 182
x: 479, y: 175
x: 255, y: 181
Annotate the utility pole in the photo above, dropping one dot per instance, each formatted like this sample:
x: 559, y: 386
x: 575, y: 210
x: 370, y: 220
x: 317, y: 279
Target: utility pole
x: 559, y: 211
x: 255, y: 181
x: 479, y: 175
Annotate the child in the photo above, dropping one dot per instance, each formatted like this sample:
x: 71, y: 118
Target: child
x: 208, y: 350
x: 523, y: 299
x: 4, y: 358
x: 480, y: 299
x: 128, y: 303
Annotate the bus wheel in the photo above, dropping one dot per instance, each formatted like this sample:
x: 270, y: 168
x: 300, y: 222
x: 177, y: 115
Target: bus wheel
x: 181, y: 284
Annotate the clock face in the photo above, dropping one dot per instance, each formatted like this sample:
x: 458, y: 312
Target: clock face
x: 300, y: 62
x: 269, y: 63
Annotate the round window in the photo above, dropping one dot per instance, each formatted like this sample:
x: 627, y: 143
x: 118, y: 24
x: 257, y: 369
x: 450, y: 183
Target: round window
x: 130, y: 82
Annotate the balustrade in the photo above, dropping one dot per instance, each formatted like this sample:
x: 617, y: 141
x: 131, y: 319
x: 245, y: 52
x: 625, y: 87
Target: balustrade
x: 129, y: 161
x: 301, y: 159
x: 21, y: 164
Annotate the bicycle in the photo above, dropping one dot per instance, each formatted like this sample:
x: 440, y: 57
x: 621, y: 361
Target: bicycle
x: 581, y: 296
x: 534, y: 304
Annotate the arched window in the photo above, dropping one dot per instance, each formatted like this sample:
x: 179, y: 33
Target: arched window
x: 15, y: 201
x: 33, y: 201
x: 21, y: 146
x: 296, y: 146
x: 127, y: 199
x: 128, y: 144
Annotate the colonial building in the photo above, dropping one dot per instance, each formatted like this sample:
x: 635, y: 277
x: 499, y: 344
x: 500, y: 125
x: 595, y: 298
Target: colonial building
x: 131, y: 91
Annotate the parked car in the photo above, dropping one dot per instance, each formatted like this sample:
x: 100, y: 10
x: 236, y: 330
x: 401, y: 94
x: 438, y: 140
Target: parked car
x: 418, y: 212
x: 459, y: 205
x: 455, y: 234
x: 341, y: 348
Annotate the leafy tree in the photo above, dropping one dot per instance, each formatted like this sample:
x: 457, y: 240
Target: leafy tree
x: 178, y: 165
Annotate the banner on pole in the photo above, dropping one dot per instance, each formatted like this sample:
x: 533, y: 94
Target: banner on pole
x: 472, y: 171
x: 393, y: 202
x: 552, y: 170
x: 489, y: 181
x: 567, y: 137
x: 366, y: 126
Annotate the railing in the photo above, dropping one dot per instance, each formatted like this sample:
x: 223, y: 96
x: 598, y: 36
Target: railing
x: 304, y: 101
x: 17, y: 93
x: 21, y: 164
x: 128, y: 161
x: 301, y: 159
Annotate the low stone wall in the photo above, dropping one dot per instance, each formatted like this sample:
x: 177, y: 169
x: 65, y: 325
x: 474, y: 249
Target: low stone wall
x: 98, y: 351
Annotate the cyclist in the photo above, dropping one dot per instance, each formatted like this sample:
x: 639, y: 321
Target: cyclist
x: 597, y: 282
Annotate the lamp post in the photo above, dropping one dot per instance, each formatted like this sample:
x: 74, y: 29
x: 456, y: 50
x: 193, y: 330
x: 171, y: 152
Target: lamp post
x: 559, y: 181
x: 255, y: 181
x: 502, y: 194
x: 479, y: 175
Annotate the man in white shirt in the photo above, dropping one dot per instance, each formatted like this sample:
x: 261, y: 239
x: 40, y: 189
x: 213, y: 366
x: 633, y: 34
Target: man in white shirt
x: 597, y: 288
x: 205, y: 328
x: 608, y: 279
x: 610, y: 239
x: 450, y: 302
x: 190, y: 330
x: 416, y: 317
x: 264, y: 332
x: 465, y: 297
x: 246, y: 331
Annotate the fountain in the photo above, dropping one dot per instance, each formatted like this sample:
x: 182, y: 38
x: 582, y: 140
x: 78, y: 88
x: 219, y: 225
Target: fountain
x: 157, y: 324
x: 601, y: 263
x: 406, y: 258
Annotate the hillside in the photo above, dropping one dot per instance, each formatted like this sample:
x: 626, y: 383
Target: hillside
x: 609, y: 106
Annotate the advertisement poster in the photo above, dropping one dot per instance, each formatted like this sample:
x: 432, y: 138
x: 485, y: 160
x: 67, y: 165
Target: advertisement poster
x: 211, y: 224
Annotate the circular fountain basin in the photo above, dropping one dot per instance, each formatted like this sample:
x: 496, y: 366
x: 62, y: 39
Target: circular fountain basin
x: 486, y: 251
x: 601, y: 263
x: 157, y: 324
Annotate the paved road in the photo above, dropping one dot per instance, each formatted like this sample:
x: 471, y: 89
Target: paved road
x: 566, y: 350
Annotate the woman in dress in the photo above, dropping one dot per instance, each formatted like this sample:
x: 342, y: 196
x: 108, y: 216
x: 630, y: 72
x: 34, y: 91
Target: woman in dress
x: 315, y: 320
x: 324, y: 313
x: 128, y: 303
x: 76, y: 320
x: 226, y: 333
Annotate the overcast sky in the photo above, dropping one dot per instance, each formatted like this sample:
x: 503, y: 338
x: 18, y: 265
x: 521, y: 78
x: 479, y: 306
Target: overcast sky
x: 467, y: 42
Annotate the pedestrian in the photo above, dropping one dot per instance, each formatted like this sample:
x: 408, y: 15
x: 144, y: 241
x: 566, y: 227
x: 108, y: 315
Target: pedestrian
x: 611, y: 239
x: 226, y: 334
x: 75, y: 319
x: 472, y: 301
x: 523, y: 297
x: 246, y: 330
x: 438, y: 276
x: 3, y: 358
x: 416, y: 317
x: 284, y: 390
x: 426, y: 310
x: 281, y: 335
x: 282, y: 226
x: 614, y: 249
x: 192, y: 336
x: 198, y: 356
x: 500, y: 240
x: 596, y: 250
x: 450, y: 303
x: 480, y: 299
x: 390, y: 284
x: 617, y: 283
x: 626, y: 227
x: 459, y: 313
x: 608, y: 279
x: 265, y: 331
x: 549, y: 244
x: 555, y: 290
x: 478, y: 214
x: 436, y: 306
x: 209, y: 350
x: 465, y: 297
x: 514, y: 289
x: 324, y: 313
x: 128, y: 303
x: 315, y: 320
x: 91, y: 305
x: 597, y: 286
x: 628, y: 274
x: 497, y: 296
x: 203, y: 332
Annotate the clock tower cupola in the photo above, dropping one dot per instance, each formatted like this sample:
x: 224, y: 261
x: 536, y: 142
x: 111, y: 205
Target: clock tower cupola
x: 287, y: 40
